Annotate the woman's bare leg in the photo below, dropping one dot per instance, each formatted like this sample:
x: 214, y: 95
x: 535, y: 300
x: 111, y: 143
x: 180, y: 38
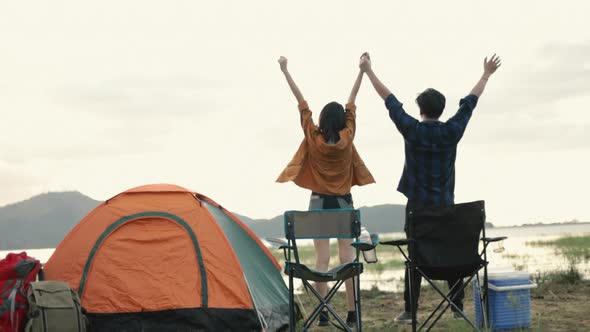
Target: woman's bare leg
x: 346, y: 253
x: 322, y: 261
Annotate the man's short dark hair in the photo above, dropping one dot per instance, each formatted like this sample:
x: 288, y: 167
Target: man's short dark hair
x: 431, y: 103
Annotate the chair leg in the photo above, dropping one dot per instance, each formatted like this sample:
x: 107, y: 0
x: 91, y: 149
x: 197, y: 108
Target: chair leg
x: 486, y: 299
x: 449, y: 303
x: 482, y: 304
x: 413, y: 300
x: 316, y: 312
x: 291, y: 303
x: 439, y: 313
x: 357, y: 301
x: 324, y: 303
x: 448, y: 299
x: 433, y: 313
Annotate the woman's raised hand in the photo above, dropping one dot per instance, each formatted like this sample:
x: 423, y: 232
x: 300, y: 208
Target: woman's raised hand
x: 365, y: 62
x: 283, y: 63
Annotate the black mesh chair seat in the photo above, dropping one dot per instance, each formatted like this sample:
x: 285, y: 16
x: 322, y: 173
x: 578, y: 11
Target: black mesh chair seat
x: 452, y: 272
x: 341, y: 272
x: 443, y: 244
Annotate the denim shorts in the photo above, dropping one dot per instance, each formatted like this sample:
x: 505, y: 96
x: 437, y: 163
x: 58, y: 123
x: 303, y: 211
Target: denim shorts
x: 322, y: 201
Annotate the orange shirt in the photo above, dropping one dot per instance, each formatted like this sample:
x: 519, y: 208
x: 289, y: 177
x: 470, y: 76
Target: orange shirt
x: 327, y: 168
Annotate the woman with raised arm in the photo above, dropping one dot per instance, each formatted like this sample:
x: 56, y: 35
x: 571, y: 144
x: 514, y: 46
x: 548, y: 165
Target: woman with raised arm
x: 328, y: 164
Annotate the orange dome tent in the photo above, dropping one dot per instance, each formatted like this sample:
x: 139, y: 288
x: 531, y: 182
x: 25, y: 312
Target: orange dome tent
x: 160, y: 257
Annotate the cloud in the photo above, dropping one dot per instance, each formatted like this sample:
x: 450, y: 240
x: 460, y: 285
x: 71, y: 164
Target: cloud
x: 558, y: 71
x: 126, y: 116
x: 529, y: 135
x: 539, y: 106
x: 139, y: 96
x: 562, y: 72
x: 79, y: 150
x: 16, y: 183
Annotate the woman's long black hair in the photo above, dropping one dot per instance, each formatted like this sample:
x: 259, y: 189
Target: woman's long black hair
x: 332, y: 121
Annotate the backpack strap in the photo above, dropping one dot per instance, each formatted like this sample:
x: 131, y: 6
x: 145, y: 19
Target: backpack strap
x: 12, y: 301
x: 4, y: 294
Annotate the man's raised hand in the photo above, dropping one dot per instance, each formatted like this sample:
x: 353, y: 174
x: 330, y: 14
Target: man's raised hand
x: 489, y: 67
x: 365, y: 62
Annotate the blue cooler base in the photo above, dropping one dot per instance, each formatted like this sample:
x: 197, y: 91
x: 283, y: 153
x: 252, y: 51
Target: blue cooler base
x: 508, y: 309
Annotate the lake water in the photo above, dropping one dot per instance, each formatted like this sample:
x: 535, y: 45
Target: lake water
x: 510, y: 254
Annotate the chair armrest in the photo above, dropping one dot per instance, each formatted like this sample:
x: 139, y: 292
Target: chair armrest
x: 277, y: 243
x: 375, y: 239
x: 280, y: 244
x: 397, y: 243
x: 493, y: 239
x: 363, y: 246
x: 366, y: 246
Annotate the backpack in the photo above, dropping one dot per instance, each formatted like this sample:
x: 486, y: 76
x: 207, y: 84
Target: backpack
x: 17, y: 271
x: 54, y: 307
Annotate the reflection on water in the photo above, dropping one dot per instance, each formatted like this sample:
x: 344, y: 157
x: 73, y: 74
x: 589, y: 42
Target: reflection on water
x: 534, y: 259
x: 512, y: 253
x: 41, y: 254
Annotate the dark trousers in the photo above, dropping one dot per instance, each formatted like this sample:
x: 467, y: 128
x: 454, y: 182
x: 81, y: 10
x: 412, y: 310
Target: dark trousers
x: 417, y: 278
x: 458, y: 301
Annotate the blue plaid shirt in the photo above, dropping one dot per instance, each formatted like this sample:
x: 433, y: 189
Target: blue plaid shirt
x: 430, y: 148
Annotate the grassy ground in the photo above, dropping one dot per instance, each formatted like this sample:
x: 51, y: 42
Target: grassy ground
x: 560, y: 303
x: 555, y: 306
x: 582, y: 242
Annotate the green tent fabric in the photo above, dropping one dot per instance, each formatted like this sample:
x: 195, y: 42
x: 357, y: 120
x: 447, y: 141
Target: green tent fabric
x: 268, y: 290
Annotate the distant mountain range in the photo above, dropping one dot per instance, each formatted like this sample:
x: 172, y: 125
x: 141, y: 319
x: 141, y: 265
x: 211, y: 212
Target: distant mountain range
x: 44, y: 220
x: 385, y: 218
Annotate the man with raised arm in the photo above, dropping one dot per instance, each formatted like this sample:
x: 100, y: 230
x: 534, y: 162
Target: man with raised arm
x: 428, y: 178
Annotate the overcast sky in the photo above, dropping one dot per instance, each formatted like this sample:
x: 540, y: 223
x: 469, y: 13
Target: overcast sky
x: 103, y: 96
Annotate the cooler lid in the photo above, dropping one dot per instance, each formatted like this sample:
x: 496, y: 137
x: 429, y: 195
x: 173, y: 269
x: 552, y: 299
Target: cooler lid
x: 504, y: 275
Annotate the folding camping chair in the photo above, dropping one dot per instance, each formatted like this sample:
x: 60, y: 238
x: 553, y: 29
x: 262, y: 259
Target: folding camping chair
x: 318, y: 224
x: 443, y: 244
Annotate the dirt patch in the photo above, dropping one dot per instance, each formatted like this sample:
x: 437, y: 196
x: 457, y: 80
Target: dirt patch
x: 554, y: 307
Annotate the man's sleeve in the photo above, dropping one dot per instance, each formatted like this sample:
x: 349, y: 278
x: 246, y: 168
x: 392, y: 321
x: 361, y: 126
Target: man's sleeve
x: 400, y: 118
x: 458, y: 122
